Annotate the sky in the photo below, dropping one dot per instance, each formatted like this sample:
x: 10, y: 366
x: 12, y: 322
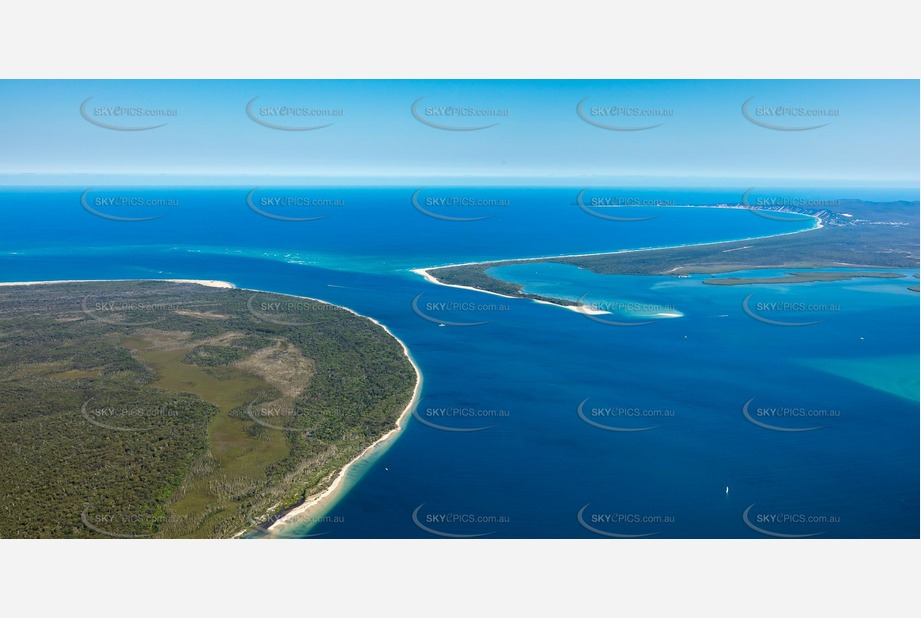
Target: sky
x: 669, y: 132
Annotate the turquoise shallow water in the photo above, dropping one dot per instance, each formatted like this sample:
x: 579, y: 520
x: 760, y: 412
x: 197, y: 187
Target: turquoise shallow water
x: 373, y: 230
x: 576, y: 427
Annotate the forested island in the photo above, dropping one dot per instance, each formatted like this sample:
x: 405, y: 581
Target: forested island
x: 140, y: 409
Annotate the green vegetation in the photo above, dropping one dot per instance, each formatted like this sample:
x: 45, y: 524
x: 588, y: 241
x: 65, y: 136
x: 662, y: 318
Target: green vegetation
x: 803, y: 277
x: 856, y: 234
x: 159, y: 409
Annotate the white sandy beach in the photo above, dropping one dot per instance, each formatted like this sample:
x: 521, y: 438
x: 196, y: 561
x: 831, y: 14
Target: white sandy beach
x: 424, y: 272
x: 577, y: 308
x: 316, y: 501
x: 583, y: 309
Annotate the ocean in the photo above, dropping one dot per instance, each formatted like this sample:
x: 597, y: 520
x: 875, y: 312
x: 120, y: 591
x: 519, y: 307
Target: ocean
x: 685, y: 411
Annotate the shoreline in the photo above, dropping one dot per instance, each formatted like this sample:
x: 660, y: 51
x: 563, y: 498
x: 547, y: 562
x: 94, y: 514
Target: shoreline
x: 818, y: 225
x: 314, y: 501
x: 425, y: 274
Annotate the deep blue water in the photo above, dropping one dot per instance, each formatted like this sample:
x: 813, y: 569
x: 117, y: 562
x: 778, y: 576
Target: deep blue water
x: 535, y: 464
x: 372, y: 230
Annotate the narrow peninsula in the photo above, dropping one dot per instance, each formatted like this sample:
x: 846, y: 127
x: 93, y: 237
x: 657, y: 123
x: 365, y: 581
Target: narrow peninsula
x: 852, y: 239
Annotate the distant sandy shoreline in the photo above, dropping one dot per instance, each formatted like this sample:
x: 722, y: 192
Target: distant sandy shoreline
x: 818, y: 225
x: 428, y: 276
